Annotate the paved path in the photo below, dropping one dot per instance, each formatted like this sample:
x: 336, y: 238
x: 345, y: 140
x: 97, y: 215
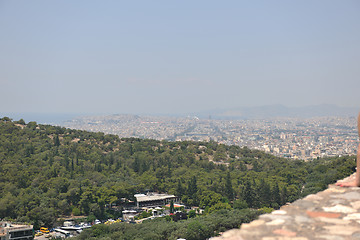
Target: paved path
x: 333, y: 214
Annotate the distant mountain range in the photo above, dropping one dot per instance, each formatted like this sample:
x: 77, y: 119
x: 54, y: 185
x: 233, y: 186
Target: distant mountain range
x: 274, y: 111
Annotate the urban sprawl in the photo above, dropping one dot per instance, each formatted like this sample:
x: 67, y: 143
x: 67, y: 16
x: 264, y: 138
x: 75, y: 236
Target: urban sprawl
x: 297, y: 138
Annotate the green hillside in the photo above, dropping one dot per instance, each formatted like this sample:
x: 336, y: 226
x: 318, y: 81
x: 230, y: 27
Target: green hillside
x: 47, y: 172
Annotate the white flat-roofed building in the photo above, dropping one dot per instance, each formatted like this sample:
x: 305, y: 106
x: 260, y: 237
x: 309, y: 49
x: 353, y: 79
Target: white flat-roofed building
x: 10, y: 231
x: 154, y: 199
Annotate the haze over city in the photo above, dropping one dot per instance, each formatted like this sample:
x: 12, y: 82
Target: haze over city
x: 145, y: 57
x: 179, y: 119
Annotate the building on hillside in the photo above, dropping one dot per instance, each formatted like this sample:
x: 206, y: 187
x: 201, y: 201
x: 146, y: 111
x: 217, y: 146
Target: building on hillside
x: 152, y: 199
x: 129, y: 214
x: 10, y: 231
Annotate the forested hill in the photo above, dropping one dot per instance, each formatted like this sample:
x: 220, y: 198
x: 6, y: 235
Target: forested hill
x: 47, y: 172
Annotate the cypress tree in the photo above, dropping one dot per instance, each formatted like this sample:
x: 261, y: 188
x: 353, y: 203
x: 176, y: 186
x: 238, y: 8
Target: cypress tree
x: 248, y: 194
x: 228, y: 187
x: 276, y: 196
x: 264, y: 193
x: 284, y: 195
x: 192, y: 187
x: 56, y: 141
x: 172, y: 206
x: 179, y: 189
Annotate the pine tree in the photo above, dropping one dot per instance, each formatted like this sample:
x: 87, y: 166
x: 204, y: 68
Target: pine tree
x: 256, y: 166
x: 56, y: 141
x: 264, y: 191
x: 248, y: 194
x: 66, y: 162
x: 276, y: 196
x: 192, y: 187
x: 229, y: 192
x: 137, y: 165
x: 284, y: 195
x: 51, y: 160
x: 179, y: 189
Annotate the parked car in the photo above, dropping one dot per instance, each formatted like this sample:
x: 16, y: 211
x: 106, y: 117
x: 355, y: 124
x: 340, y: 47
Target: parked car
x: 44, y: 230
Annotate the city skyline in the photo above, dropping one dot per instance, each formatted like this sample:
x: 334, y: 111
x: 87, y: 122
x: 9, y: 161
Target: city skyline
x: 177, y: 57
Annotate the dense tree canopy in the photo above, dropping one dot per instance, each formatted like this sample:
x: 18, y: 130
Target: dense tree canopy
x: 47, y: 172
x: 197, y: 228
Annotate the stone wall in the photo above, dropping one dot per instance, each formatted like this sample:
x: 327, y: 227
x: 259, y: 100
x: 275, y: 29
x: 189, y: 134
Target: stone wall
x: 333, y: 214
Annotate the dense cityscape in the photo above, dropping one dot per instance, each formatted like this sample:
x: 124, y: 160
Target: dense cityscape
x: 298, y: 138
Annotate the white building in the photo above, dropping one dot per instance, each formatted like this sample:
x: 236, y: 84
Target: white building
x: 9, y: 231
x: 154, y: 199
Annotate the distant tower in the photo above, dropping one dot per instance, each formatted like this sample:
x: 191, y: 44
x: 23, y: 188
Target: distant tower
x: 209, y: 117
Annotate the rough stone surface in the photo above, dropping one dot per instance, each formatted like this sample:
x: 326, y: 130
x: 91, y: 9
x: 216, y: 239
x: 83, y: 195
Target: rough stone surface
x: 276, y: 222
x: 355, y: 204
x: 340, y: 209
x: 333, y: 214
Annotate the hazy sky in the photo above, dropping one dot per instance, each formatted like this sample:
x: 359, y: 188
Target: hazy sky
x: 177, y: 56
